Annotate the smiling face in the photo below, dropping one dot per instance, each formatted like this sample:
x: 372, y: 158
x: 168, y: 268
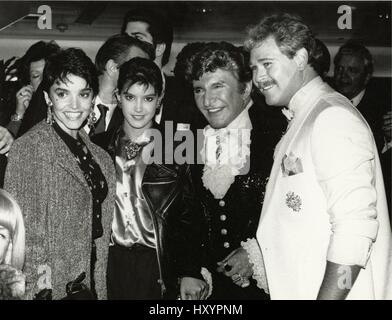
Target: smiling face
x: 72, y: 102
x: 219, y: 97
x: 350, y: 75
x: 5, y: 238
x: 276, y: 75
x: 36, y: 71
x: 139, y: 104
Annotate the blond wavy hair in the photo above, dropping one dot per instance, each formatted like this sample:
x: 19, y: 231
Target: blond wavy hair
x: 11, y: 218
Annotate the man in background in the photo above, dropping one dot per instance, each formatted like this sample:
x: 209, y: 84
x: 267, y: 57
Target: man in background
x: 352, y: 73
x: 116, y: 50
x: 155, y: 28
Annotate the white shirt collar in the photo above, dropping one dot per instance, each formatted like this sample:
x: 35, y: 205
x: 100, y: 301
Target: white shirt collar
x: 242, y: 121
x: 109, y: 114
x: 387, y: 146
x: 158, y: 116
x: 357, y: 99
x: 300, y: 101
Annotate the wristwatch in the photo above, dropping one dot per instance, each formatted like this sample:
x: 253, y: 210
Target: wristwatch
x: 16, y: 117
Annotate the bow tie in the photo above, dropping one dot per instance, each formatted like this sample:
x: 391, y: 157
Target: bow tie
x: 289, y: 114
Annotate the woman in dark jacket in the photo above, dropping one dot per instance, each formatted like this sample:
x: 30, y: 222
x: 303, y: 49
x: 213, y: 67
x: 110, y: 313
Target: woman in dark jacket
x: 64, y: 185
x: 156, y: 242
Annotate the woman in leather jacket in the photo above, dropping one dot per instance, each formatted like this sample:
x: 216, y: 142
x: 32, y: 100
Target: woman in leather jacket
x: 156, y: 237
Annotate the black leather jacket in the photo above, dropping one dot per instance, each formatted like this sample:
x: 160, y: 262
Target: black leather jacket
x: 176, y: 213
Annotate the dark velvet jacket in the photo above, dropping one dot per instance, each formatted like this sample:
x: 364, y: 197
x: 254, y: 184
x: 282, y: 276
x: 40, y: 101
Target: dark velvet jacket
x: 235, y: 218
x: 176, y: 213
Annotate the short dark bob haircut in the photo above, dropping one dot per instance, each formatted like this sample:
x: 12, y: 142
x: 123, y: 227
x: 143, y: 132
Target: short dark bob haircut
x: 70, y: 61
x: 141, y: 71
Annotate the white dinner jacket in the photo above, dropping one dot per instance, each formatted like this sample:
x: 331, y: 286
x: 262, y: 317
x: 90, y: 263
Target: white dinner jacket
x: 304, y: 215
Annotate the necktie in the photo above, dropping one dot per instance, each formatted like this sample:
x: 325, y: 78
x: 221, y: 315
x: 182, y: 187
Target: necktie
x: 218, y: 151
x: 101, y: 124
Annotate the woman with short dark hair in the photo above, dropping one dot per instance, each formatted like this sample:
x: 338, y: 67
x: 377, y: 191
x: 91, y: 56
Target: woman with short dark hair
x: 156, y: 238
x: 65, y: 187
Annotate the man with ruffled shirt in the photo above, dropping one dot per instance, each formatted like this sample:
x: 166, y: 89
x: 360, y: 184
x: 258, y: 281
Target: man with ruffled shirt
x: 237, y: 156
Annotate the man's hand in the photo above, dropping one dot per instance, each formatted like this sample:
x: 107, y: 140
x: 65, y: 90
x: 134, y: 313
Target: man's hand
x: 387, y: 125
x: 23, y: 98
x: 193, y: 289
x: 237, y: 266
x: 6, y: 140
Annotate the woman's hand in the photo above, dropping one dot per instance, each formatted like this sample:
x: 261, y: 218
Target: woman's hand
x: 193, y: 289
x: 12, y: 283
x: 23, y: 98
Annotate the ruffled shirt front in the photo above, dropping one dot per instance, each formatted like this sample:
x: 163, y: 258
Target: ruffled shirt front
x: 225, y: 153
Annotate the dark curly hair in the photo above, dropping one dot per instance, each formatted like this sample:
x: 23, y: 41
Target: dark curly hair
x: 182, y: 60
x: 117, y: 48
x: 289, y: 31
x: 70, y: 61
x: 218, y: 55
x: 40, y: 50
x: 141, y: 71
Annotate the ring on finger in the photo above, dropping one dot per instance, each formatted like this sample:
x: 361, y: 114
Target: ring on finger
x: 245, y: 283
x: 237, y: 277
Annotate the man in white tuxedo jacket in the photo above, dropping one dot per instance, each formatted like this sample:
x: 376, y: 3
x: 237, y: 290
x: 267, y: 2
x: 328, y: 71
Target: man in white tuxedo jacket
x: 324, y: 230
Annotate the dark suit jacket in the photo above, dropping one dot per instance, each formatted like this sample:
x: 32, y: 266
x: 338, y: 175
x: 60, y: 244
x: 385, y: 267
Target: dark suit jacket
x: 179, y: 106
x: 3, y: 158
x: 372, y: 108
x: 115, y: 122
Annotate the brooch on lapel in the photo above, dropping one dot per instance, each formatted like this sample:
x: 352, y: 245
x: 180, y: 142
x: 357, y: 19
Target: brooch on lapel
x: 293, y: 201
x: 291, y: 165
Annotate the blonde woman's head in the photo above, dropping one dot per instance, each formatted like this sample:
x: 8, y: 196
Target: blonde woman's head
x: 12, y: 231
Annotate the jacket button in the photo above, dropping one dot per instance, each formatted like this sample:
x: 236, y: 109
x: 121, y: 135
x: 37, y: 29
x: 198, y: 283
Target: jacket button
x: 224, y: 231
x: 223, y: 217
x: 222, y: 203
x: 226, y: 245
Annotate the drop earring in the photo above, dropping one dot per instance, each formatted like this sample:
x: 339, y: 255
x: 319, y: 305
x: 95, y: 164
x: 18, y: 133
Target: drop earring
x: 92, y: 118
x: 49, y: 115
x: 158, y: 109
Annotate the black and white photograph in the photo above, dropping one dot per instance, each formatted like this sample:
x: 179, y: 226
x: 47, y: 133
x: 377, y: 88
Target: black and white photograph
x: 215, y: 151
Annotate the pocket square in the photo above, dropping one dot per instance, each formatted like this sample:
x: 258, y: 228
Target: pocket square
x: 291, y: 165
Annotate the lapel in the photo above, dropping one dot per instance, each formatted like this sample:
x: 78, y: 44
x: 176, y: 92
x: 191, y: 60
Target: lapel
x: 93, y: 148
x: 65, y: 159
x: 286, y: 143
x: 116, y: 120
